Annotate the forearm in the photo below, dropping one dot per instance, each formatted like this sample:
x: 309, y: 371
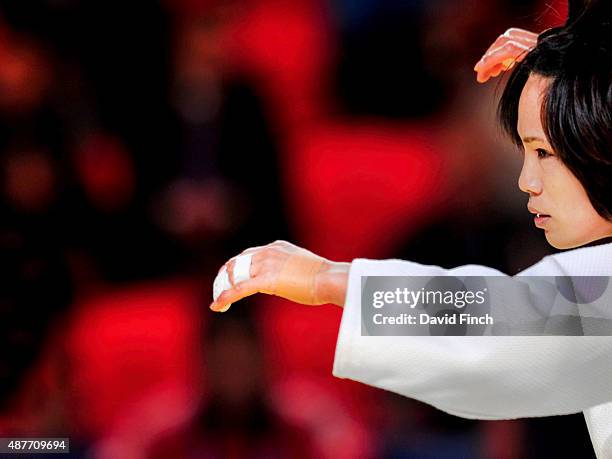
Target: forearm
x: 483, y: 377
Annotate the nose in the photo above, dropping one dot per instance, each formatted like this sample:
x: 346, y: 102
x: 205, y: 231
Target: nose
x: 529, y: 180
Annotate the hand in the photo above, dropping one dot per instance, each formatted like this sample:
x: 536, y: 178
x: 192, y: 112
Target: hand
x: 505, y: 52
x: 286, y: 270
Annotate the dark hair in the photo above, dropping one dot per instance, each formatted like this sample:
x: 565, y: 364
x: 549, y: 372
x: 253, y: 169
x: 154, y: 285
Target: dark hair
x: 577, y: 106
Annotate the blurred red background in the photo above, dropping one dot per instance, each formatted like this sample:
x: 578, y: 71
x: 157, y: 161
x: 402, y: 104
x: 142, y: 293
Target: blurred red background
x: 144, y: 144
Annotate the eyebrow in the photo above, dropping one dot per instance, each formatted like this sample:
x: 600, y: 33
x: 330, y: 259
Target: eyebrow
x: 532, y: 139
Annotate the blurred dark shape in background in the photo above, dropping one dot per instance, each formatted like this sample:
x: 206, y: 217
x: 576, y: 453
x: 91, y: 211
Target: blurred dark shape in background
x: 383, y: 61
x: 35, y: 290
x: 237, y: 417
x: 144, y: 143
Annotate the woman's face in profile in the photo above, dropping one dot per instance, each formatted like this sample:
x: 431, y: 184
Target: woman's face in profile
x: 567, y: 215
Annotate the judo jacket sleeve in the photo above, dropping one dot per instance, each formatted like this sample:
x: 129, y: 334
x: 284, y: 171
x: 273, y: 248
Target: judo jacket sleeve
x: 486, y: 377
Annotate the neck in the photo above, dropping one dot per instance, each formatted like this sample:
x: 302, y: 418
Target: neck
x: 605, y: 240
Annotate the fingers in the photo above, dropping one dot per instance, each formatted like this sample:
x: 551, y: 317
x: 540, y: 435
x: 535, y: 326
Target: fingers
x: 245, y: 273
x: 235, y: 271
x: 244, y: 252
x: 241, y: 270
x: 277, y: 243
x: 253, y: 250
x: 237, y: 292
x: 221, y: 283
x: 230, y: 271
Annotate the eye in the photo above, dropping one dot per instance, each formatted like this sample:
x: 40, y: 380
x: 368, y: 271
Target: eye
x: 543, y: 153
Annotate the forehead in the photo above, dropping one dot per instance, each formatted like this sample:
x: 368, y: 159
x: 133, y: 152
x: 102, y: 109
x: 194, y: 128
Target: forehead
x: 530, y: 105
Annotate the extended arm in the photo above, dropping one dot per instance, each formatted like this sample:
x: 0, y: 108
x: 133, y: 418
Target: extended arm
x: 474, y: 377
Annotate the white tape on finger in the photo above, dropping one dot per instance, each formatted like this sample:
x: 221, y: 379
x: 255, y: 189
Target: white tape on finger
x: 221, y: 283
x: 242, y: 268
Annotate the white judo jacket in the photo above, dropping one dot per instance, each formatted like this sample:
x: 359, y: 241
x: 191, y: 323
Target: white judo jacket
x: 487, y: 377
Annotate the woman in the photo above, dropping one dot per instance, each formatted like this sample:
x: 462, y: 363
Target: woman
x: 557, y: 105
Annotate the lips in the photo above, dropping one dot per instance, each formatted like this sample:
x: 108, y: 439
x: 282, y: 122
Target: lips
x: 541, y: 221
x: 540, y: 218
x: 537, y: 212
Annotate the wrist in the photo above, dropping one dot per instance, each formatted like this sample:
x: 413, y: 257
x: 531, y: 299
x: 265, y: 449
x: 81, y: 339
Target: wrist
x: 333, y: 283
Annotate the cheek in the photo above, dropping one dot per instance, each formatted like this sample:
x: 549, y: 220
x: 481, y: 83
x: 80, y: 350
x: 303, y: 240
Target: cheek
x: 576, y: 216
x: 566, y: 192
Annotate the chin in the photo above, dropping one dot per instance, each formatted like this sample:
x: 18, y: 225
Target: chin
x: 561, y: 243
x: 564, y: 244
